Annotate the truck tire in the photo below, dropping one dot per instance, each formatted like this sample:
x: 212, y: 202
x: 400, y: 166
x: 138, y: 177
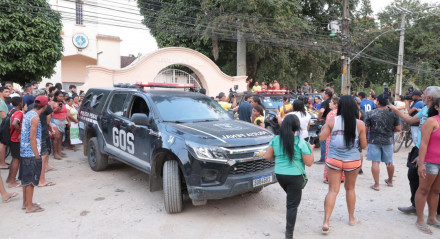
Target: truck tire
x: 172, y: 187
x: 97, y: 160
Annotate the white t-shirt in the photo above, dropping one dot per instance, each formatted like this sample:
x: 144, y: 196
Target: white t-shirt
x: 304, y: 121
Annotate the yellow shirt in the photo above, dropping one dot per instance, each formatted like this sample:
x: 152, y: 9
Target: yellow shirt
x: 256, y: 88
x: 225, y: 105
x: 288, y: 109
x: 261, y: 118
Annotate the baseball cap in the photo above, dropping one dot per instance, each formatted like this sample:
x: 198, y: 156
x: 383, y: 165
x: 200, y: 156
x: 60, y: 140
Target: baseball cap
x: 221, y: 95
x: 41, y: 100
x: 417, y: 92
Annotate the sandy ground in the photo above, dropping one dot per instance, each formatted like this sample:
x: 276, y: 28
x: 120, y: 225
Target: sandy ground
x: 116, y: 203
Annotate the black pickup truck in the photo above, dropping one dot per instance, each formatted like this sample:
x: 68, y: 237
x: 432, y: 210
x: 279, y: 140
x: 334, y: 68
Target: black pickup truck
x: 184, y: 140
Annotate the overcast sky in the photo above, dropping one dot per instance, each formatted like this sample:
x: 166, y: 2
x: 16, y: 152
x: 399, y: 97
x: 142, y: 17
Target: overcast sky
x: 140, y: 41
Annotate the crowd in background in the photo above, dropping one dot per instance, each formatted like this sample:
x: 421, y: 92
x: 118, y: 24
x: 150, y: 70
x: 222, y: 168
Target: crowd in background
x: 34, y: 124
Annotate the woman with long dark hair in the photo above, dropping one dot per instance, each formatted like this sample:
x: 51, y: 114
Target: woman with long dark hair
x: 58, y: 121
x: 347, y: 133
x: 290, y: 153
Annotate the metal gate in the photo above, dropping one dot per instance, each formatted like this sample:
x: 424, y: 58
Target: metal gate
x: 175, y: 76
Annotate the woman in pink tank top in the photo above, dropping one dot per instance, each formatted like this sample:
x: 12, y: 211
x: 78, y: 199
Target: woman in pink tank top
x: 429, y: 170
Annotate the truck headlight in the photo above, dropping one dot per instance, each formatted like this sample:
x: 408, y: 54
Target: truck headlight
x: 209, y: 153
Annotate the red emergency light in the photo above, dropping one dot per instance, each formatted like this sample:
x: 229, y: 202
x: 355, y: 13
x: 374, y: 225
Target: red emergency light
x: 274, y: 91
x: 164, y: 85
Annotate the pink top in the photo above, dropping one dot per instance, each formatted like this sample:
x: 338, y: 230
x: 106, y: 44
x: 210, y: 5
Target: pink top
x: 60, y: 114
x: 433, y: 151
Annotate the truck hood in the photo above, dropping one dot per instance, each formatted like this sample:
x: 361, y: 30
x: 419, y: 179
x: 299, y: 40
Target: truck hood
x: 225, y: 133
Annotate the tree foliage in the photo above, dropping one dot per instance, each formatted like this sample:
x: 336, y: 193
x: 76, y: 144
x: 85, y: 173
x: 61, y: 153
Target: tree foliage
x: 288, y: 39
x: 30, y: 41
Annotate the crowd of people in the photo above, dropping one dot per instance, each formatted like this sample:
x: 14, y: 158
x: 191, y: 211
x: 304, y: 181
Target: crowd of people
x: 34, y: 124
x: 353, y: 123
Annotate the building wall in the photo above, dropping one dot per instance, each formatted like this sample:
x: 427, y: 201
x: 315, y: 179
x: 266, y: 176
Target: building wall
x: 74, y: 68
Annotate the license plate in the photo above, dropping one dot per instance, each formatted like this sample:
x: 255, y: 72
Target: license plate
x: 261, y: 180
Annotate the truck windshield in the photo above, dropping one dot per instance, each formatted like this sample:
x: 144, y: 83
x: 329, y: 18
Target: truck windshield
x: 272, y: 102
x: 189, y: 109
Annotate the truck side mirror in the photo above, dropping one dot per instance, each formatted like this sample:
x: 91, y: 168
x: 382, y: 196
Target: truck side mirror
x: 140, y: 119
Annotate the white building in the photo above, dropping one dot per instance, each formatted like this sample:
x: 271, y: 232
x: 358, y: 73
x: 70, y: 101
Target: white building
x: 86, y: 38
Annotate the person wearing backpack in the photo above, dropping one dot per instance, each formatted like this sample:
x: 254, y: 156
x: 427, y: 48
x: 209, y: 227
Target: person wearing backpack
x: 16, y: 116
x: 4, y: 93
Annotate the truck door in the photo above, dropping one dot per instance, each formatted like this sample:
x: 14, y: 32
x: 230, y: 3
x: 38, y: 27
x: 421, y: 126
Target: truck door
x: 113, y: 121
x: 144, y: 136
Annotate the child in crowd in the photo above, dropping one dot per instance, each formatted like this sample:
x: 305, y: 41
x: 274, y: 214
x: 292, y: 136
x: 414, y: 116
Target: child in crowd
x: 257, y: 112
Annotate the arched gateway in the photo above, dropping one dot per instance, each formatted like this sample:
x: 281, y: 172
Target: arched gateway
x: 147, y: 68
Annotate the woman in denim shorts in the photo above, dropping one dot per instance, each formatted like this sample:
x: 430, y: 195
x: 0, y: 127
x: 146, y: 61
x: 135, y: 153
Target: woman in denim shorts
x: 429, y: 170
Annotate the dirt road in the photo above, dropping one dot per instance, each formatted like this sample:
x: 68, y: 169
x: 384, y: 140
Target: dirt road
x: 116, y: 203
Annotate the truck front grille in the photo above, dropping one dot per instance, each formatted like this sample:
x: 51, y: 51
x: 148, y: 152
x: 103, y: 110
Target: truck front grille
x: 251, y: 166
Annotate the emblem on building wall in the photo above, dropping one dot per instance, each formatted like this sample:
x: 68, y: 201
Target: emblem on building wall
x: 80, y: 40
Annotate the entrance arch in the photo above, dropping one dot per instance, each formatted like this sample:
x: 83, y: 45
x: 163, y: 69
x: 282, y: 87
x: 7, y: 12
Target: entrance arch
x: 149, y: 66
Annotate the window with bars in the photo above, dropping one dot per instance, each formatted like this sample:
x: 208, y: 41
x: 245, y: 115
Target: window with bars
x: 79, y: 12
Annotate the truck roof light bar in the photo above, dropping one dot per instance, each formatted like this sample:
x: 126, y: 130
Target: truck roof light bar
x: 164, y: 85
x: 274, y: 91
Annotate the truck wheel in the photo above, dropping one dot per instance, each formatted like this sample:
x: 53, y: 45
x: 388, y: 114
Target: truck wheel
x: 97, y: 160
x: 172, y: 188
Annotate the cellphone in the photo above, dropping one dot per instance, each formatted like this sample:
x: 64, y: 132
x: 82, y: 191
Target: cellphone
x: 311, y: 140
x: 60, y: 104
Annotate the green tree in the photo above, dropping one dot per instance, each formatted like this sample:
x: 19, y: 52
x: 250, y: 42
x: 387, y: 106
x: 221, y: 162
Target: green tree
x: 30, y: 40
x: 283, y: 42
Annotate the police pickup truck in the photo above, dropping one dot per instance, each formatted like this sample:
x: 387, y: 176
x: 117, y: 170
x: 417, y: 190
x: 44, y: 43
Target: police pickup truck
x: 184, y: 140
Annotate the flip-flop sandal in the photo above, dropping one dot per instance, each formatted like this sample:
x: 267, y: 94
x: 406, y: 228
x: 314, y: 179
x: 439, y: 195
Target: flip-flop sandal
x: 9, y: 199
x: 375, y: 189
x: 325, y: 230
x: 424, y: 229
x: 6, y: 167
x: 48, y: 184
x: 435, y: 225
x: 34, y: 204
x: 38, y: 209
x: 388, y: 184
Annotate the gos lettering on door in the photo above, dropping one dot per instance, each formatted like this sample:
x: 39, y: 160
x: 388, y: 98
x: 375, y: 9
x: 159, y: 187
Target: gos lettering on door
x: 123, y: 140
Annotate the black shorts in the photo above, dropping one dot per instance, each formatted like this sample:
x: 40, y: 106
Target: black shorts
x: 30, y: 171
x: 14, y: 147
x: 45, y: 147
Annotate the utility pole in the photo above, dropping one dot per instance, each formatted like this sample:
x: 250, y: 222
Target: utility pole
x: 241, y: 54
x: 345, y: 84
x: 400, y: 59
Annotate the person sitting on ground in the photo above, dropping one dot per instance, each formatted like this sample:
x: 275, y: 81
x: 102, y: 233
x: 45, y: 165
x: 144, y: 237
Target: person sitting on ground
x: 429, y: 170
x: 381, y: 123
x: 348, y: 133
x: 290, y: 153
x: 257, y: 113
x: 30, y: 146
